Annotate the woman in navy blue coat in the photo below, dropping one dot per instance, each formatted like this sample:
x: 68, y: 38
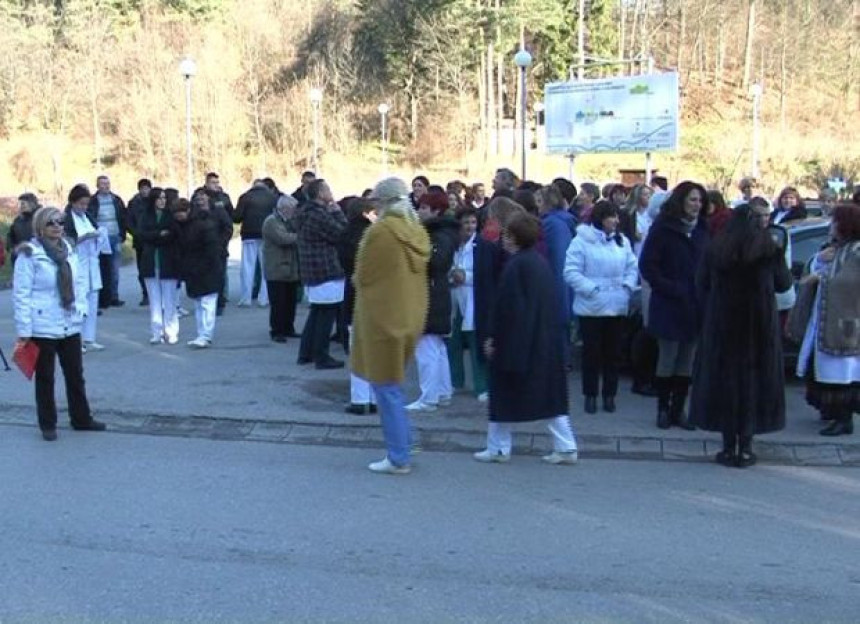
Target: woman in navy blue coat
x: 669, y: 261
x: 527, y: 377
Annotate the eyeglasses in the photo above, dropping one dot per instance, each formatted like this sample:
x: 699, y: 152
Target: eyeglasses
x: 56, y: 222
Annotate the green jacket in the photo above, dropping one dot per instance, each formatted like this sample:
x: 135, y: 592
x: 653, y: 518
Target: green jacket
x: 280, y: 251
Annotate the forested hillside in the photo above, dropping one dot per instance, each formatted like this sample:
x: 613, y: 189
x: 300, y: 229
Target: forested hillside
x: 93, y: 85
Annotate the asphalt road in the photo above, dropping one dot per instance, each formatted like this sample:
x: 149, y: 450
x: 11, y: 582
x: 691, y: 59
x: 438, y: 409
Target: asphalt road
x: 113, y: 528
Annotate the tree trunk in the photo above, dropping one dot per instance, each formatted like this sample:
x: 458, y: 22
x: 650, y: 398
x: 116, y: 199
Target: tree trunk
x: 580, y: 40
x: 644, y: 38
x: 783, y: 69
x: 634, y: 25
x: 852, y: 93
x: 622, y: 31
x: 492, y: 124
x: 748, y: 46
x: 481, y: 79
x: 721, y: 48
x: 500, y: 94
x: 682, y: 34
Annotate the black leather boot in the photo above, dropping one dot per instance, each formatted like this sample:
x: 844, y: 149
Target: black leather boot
x: 680, y: 389
x: 746, y: 457
x: 728, y: 455
x: 841, y: 425
x: 590, y: 405
x: 664, y: 392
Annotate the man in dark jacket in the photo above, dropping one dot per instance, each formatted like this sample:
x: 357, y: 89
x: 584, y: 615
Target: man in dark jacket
x: 21, y: 229
x: 301, y: 193
x: 217, y: 197
x: 200, y: 252
x: 320, y: 224
x: 431, y: 353
x: 253, y: 208
x: 222, y: 211
x: 136, y: 209
x: 108, y: 210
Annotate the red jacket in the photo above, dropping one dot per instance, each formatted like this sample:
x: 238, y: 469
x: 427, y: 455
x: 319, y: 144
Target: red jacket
x: 718, y: 220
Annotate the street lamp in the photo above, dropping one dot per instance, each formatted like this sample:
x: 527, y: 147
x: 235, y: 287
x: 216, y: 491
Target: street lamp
x: 188, y: 69
x: 316, y: 95
x: 755, y: 92
x: 523, y: 60
x: 383, y: 111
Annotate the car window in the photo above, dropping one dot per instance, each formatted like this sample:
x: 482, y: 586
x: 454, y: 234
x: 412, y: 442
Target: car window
x: 806, y: 244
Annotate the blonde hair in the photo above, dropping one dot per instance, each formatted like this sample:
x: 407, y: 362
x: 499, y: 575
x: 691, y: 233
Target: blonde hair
x: 41, y: 218
x: 631, y: 206
x: 392, y: 198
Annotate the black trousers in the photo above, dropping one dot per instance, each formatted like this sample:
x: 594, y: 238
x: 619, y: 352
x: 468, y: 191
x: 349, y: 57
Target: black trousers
x: 601, y: 341
x: 222, y: 296
x: 283, y: 298
x: 68, y: 350
x: 138, y: 254
x: 105, y: 272
x: 317, y: 332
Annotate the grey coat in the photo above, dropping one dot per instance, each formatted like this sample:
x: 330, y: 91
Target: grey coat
x: 280, y: 250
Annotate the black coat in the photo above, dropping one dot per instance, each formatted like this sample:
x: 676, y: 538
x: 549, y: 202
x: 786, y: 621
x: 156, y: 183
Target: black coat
x: 20, y: 231
x: 527, y: 375
x: 200, y: 250
x: 152, y: 242
x: 489, y: 260
x: 669, y: 261
x: 224, y: 225
x: 444, y: 236
x: 137, y: 205
x: 347, y: 250
x: 796, y: 213
x: 738, y: 379
x: 253, y: 208
x: 221, y: 200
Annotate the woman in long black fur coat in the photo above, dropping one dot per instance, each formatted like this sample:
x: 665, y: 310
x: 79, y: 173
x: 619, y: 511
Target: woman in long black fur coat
x: 738, y: 378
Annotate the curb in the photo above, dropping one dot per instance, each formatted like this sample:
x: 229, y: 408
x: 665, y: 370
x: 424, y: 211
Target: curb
x: 449, y: 440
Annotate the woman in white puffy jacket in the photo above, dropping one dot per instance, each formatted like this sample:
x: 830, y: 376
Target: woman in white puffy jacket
x: 601, y: 268
x: 50, y: 298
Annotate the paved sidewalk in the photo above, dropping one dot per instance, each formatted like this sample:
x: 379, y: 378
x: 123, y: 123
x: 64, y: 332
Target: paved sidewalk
x: 248, y: 388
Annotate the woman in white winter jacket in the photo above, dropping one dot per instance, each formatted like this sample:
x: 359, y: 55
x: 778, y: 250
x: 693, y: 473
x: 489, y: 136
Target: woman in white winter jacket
x: 601, y: 268
x: 50, y: 298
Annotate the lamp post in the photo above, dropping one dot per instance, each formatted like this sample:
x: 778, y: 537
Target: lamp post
x: 755, y: 92
x: 523, y: 60
x: 188, y: 69
x: 316, y: 99
x: 383, y: 112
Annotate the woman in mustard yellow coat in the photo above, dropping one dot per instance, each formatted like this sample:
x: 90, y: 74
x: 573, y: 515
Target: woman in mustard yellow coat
x: 390, y: 311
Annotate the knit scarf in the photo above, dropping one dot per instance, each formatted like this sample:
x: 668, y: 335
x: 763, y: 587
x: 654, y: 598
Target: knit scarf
x: 59, y: 254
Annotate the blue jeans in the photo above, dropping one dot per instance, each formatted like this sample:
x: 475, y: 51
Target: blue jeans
x: 396, y: 427
x: 115, y: 264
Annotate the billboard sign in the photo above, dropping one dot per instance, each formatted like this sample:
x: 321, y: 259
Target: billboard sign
x: 612, y: 115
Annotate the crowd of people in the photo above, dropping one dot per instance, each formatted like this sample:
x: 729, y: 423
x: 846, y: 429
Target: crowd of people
x: 436, y: 274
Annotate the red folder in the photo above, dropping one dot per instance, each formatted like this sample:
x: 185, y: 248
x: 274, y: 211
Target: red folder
x: 25, y: 356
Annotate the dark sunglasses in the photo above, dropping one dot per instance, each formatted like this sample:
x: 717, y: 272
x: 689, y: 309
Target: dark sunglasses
x: 56, y: 222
